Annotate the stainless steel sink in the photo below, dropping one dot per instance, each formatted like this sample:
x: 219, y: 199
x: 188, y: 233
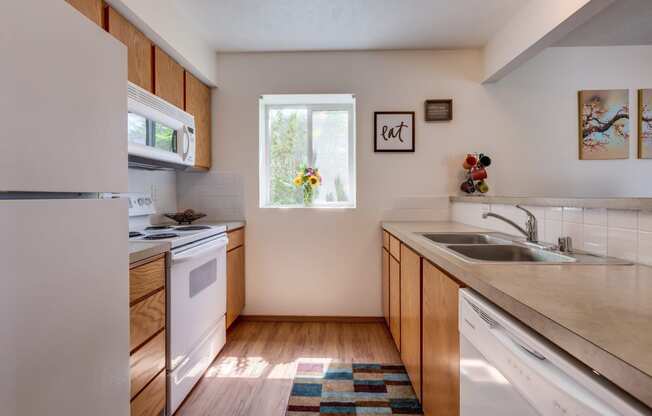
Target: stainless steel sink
x: 464, y: 238
x: 494, y: 247
x: 509, y: 253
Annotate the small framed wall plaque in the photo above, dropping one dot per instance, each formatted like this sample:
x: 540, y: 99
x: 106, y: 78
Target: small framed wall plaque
x: 394, y: 131
x: 439, y: 110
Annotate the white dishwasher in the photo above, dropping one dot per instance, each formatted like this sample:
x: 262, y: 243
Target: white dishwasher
x: 506, y: 369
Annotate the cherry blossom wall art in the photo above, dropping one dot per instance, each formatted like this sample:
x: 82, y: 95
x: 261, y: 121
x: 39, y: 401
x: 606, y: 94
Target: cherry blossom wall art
x: 645, y: 124
x: 604, y: 124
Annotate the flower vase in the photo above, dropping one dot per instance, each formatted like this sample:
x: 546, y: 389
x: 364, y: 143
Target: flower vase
x: 308, y: 195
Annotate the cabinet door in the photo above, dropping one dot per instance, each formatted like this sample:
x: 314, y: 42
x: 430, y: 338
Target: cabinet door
x: 235, y: 284
x: 411, y: 316
x: 89, y: 8
x: 139, y: 49
x: 168, y: 78
x: 395, y: 300
x: 385, y: 285
x: 198, y: 103
x: 441, y: 344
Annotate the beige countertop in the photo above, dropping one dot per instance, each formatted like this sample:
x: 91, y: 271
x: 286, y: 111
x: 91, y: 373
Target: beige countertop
x: 644, y: 204
x: 140, y: 250
x: 232, y: 225
x: 602, y: 315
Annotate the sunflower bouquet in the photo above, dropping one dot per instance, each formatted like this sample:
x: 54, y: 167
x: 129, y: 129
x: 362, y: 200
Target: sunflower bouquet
x: 309, y: 180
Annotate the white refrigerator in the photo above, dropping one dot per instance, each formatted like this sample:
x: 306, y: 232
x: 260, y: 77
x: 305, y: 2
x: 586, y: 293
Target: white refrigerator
x: 64, y: 309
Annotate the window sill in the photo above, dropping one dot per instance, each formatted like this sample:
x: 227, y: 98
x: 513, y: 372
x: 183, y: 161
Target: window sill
x: 315, y: 206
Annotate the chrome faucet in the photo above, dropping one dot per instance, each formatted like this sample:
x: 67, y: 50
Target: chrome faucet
x: 530, y: 231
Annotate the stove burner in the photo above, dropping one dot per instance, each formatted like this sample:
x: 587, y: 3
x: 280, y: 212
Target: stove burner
x: 158, y: 227
x: 133, y: 234
x: 192, y: 228
x: 160, y: 236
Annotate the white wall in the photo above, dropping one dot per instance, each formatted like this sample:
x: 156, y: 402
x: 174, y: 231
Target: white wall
x: 540, y: 103
x: 327, y: 262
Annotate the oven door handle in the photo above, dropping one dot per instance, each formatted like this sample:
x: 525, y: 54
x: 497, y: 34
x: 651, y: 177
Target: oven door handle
x: 200, y: 250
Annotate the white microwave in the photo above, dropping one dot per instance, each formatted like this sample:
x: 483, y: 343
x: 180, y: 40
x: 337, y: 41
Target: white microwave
x: 160, y: 135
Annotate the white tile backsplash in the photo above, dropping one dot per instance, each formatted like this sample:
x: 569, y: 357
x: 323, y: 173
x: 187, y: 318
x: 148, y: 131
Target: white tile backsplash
x: 645, y: 221
x: 553, y: 230
x: 574, y: 215
x: 553, y: 213
x: 619, y: 233
x: 622, y: 243
x: 595, y: 216
x: 595, y: 239
x: 622, y: 219
x: 645, y: 247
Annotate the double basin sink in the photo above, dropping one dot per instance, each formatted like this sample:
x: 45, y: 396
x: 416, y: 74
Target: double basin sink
x: 501, y: 248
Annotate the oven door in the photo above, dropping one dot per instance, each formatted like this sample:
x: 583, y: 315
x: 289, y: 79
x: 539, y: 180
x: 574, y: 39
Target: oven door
x: 197, y: 295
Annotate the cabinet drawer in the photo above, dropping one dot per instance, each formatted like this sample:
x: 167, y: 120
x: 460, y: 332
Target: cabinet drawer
x: 236, y: 239
x: 395, y: 247
x: 151, y: 401
x: 385, y: 240
x: 146, y: 319
x: 146, y: 363
x: 146, y: 279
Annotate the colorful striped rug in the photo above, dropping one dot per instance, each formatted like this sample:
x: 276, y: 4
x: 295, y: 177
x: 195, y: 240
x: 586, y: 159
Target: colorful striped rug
x: 341, y: 389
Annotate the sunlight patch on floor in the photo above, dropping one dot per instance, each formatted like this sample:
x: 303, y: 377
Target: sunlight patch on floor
x: 258, y: 367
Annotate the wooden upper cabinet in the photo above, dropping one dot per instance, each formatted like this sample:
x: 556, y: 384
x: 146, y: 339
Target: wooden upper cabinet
x: 168, y: 78
x: 441, y: 344
x: 139, y: 49
x: 93, y: 9
x: 411, y: 316
x: 198, y: 103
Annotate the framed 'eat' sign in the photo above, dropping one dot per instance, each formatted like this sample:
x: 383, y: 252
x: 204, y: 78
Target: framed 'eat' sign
x: 394, y: 131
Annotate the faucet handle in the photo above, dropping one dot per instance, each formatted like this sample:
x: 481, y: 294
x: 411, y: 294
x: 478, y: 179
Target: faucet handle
x: 565, y: 244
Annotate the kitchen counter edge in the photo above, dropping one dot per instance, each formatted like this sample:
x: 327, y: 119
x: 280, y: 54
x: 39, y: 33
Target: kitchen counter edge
x: 141, y: 250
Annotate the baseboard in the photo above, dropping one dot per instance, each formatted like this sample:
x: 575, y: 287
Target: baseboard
x: 301, y: 318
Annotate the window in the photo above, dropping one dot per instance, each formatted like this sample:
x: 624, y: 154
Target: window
x: 307, y: 131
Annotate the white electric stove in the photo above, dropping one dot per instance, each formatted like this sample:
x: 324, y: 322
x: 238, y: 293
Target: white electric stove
x: 196, y: 296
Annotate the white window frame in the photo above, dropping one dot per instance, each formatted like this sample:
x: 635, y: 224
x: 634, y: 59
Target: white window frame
x: 310, y: 102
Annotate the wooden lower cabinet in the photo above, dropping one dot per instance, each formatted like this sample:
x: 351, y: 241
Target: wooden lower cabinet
x: 440, y: 345
x: 235, y: 284
x: 235, y: 276
x: 395, y: 300
x: 385, y: 284
x: 151, y: 401
x: 148, y: 343
x: 411, y: 316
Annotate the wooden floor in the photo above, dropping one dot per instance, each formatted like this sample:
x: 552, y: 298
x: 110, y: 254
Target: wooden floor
x: 253, y: 373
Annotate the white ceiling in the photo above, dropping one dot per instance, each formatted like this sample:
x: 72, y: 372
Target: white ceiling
x: 625, y: 22
x: 291, y: 25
